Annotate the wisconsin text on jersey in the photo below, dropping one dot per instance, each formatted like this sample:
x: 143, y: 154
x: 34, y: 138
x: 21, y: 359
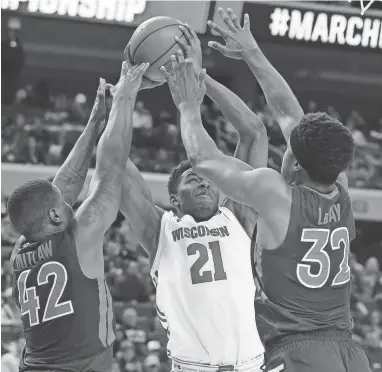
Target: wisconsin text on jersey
x: 334, y: 215
x: 24, y: 260
x: 196, y: 231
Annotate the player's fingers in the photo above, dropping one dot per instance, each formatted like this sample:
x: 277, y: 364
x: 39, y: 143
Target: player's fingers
x: 165, y: 73
x: 192, y: 32
x: 124, y: 68
x: 101, y: 88
x: 218, y: 29
x: 139, y: 72
x: 227, y: 20
x: 180, y: 56
x: 134, y: 71
x: 186, y: 34
x: 234, y: 19
x: 217, y: 46
x: 182, y: 44
x: 131, y: 71
x: 202, y: 77
x: 247, y: 22
x: 174, y: 63
x: 190, y: 68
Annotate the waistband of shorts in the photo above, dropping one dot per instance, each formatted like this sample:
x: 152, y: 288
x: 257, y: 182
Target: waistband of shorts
x: 253, y: 364
x: 281, y: 342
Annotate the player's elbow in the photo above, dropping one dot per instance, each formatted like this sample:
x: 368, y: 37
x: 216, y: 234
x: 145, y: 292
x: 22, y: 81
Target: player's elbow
x: 252, y: 129
x: 195, y: 160
x: 258, y: 130
x: 203, y: 166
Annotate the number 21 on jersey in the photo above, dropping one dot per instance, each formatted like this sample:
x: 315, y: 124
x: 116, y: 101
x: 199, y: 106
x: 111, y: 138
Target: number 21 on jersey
x: 197, y: 275
x: 30, y: 302
x: 316, y: 254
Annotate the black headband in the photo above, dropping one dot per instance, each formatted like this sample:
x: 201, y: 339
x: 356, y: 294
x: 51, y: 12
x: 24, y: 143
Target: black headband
x: 300, y: 152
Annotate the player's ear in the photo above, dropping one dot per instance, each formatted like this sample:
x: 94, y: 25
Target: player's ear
x: 297, y: 167
x: 174, y: 200
x: 55, y: 216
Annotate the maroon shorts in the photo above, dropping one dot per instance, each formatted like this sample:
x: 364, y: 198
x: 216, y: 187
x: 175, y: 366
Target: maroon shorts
x: 329, y: 351
x: 96, y: 363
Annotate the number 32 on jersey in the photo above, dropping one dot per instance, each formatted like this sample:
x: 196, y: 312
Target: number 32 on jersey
x: 317, y: 254
x: 30, y: 302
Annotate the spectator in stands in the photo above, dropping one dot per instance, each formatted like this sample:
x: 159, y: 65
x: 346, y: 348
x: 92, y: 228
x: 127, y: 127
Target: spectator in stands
x: 141, y: 116
x: 9, y: 317
x: 312, y: 106
x: 152, y: 363
x: 10, y: 360
x: 128, y: 286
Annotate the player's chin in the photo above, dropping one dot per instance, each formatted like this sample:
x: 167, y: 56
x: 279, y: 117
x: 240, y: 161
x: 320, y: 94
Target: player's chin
x: 209, y: 201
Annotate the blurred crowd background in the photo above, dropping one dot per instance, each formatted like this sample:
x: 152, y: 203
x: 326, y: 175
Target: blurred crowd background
x: 42, y: 127
x: 48, y: 86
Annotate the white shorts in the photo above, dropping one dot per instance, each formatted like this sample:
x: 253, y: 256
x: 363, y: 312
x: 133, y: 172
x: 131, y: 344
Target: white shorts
x: 252, y: 365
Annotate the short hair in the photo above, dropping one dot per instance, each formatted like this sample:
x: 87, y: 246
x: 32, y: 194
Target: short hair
x: 175, y: 175
x: 329, y: 145
x: 29, y: 204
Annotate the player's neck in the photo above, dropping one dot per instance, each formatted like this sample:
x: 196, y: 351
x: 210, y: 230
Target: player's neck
x: 41, y: 235
x: 198, y: 216
x: 323, y: 189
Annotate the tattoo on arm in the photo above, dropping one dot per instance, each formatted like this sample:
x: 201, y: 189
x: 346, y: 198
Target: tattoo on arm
x: 71, y: 176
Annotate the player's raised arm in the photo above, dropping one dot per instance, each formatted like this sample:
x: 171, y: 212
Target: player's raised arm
x: 71, y: 176
x: 100, y: 209
x: 251, y: 187
x: 252, y: 147
x: 240, y: 44
x: 253, y: 142
x: 138, y: 207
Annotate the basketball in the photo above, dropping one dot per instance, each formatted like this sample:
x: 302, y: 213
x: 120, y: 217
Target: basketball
x: 153, y: 42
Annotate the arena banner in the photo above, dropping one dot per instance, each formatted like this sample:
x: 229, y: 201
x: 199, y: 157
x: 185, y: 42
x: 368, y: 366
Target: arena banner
x: 122, y: 12
x: 367, y: 204
x: 319, y: 25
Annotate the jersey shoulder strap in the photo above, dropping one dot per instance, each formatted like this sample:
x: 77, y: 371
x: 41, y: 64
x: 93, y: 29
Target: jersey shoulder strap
x: 228, y: 214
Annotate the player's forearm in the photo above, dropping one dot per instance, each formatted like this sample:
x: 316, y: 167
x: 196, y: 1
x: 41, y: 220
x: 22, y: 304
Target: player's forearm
x: 276, y: 90
x: 115, y: 143
x: 139, y: 209
x: 245, y: 121
x: 133, y: 187
x: 71, y: 176
x: 198, y: 144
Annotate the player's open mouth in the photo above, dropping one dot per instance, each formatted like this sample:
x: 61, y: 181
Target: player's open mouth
x: 203, y: 192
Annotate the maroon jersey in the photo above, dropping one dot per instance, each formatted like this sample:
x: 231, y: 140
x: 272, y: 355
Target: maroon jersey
x: 304, y: 285
x: 66, y: 316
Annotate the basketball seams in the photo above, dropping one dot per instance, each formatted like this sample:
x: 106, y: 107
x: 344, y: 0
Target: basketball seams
x: 148, y: 35
x: 166, y: 51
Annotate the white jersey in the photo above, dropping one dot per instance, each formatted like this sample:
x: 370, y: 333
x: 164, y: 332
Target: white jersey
x: 205, y: 289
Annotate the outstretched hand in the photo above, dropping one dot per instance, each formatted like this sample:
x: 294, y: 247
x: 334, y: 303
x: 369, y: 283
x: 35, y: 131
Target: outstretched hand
x: 238, y: 39
x: 191, y: 46
x: 98, y: 113
x: 129, y: 81
x: 187, y: 89
x: 146, y: 83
